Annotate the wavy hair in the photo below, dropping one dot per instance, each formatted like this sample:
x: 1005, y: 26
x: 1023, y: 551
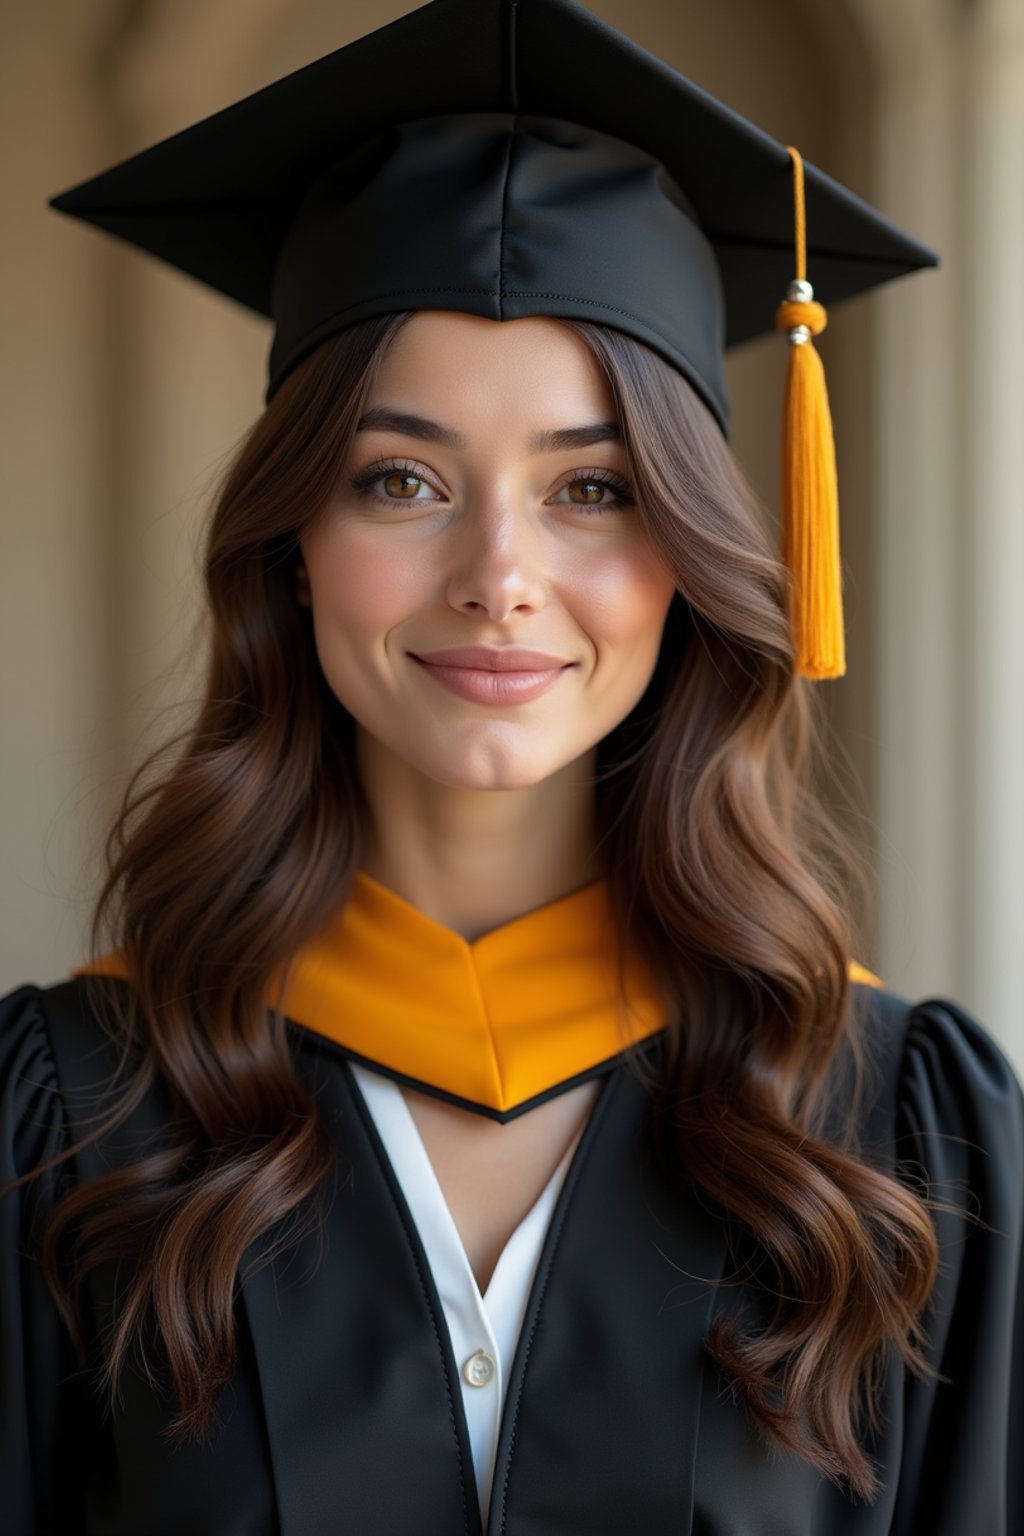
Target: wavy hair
x: 239, y: 837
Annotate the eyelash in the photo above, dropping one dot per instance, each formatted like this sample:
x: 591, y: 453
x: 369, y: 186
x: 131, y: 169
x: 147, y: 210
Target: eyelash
x: 362, y: 482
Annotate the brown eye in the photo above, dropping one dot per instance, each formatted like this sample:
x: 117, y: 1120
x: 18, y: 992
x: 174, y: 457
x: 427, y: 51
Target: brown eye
x: 598, y: 490
x: 593, y: 491
x: 401, y: 485
x: 389, y: 480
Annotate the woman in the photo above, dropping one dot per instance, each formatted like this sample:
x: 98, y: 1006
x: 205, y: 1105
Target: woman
x: 466, y: 1119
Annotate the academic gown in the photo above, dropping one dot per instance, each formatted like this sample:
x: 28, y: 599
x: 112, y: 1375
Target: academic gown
x: 344, y: 1415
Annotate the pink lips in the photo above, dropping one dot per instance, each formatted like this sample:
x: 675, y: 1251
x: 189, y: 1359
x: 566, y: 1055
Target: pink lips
x: 493, y: 675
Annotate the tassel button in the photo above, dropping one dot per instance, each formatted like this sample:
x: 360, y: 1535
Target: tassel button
x: 799, y: 315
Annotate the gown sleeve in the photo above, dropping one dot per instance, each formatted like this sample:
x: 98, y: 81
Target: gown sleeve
x: 39, y: 1379
x: 960, y: 1119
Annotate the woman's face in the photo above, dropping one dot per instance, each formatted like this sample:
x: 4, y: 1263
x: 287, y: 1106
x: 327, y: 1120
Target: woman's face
x: 486, y: 502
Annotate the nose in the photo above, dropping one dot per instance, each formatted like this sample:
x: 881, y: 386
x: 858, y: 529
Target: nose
x: 498, y: 563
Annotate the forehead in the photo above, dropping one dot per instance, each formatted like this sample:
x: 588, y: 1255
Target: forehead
x: 529, y: 364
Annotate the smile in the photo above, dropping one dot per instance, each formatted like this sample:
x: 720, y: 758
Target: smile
x: 481, y: 686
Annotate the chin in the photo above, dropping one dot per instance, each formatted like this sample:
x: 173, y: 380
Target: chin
x: 490, y: 769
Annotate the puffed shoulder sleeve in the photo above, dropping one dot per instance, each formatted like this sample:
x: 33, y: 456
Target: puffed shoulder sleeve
x: 960, y: 1120
x: 37, y: 1364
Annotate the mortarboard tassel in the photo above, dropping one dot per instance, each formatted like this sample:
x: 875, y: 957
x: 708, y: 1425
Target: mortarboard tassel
x: 810, y: 490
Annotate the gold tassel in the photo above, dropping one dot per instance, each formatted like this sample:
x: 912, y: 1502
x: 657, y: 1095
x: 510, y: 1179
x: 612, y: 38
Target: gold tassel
x: 810, y: 491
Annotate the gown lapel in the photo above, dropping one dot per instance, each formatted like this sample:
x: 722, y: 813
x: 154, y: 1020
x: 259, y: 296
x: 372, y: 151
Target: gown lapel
x: 366, y: 1428
x: 618, y: 1312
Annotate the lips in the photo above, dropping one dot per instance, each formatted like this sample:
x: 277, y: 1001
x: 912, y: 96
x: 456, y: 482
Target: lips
x: 489, y: 675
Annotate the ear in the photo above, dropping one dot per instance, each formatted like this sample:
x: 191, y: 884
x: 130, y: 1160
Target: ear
x: 302, y: 589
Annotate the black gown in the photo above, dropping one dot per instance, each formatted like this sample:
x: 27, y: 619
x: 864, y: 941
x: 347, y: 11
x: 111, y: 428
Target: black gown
x: 345, y: 1414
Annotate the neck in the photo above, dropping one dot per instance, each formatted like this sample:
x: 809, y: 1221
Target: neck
x: 474, y: 859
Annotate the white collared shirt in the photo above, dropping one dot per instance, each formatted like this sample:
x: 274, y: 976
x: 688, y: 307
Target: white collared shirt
x: 484, y: 1329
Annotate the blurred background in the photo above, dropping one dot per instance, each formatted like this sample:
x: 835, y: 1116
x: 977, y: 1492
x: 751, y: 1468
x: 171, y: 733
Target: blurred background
x: 126, y: 388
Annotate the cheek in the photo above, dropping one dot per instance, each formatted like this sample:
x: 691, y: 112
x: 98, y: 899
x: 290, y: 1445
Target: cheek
x: 356, y: 586
x: 623, y: 599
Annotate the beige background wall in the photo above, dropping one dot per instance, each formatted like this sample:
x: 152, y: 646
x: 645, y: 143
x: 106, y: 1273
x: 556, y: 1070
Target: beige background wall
x: 125, y: 387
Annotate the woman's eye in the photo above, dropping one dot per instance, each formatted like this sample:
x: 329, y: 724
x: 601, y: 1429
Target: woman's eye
x: 397, y: 482
x: 402, y: 485
x: 597, y: 489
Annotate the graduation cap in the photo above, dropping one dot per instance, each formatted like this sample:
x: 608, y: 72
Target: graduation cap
x: 510, y: 158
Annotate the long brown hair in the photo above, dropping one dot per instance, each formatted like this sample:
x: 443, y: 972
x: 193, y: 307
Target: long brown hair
x: 239, y: 837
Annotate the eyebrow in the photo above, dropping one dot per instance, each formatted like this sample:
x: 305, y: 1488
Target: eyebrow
x: 383, y: 419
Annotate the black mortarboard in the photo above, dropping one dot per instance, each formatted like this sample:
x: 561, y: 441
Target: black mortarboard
x: 505, y: 158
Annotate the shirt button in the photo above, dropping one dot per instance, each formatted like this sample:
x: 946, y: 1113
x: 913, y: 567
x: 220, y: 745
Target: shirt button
x: 479, y: 1369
